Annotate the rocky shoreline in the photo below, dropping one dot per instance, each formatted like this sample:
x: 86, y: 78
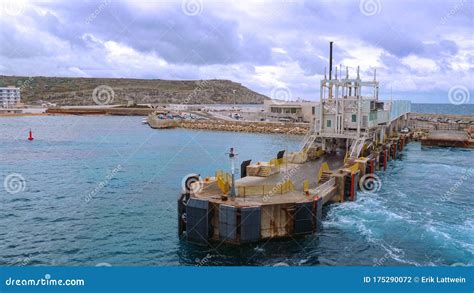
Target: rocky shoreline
x: 243, y: 126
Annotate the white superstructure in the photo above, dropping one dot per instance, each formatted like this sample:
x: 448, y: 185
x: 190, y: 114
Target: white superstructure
x: 350, y: 113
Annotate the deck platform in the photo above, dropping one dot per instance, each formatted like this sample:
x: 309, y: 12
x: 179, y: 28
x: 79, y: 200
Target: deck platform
x: 297, y: 172
x: 286, y: 203
x: 282, y: 204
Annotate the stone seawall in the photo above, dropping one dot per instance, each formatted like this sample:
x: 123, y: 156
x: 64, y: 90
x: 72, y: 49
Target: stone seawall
x: 241, y: 126
x: 430, y: 122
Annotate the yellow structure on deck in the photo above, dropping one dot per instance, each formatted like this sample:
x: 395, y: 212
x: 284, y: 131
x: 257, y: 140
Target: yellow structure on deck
x: 224, y: 180
x: 264, y: 189
x: 324, y: 167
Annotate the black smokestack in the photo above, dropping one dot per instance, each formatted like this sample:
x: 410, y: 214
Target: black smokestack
x: 330, y: 60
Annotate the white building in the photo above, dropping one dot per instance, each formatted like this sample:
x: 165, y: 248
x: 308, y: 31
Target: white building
x: 302, y: 111
x: 9, y: 97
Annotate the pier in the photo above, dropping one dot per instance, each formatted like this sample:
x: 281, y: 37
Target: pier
x: 283, y: 204
x: 352, y: 137
x: 444, y: 138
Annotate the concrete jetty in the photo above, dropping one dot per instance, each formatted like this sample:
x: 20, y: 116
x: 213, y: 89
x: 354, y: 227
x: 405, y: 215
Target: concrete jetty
x: 247, y: 126
x: 352, y: 137
x: 446, y: 138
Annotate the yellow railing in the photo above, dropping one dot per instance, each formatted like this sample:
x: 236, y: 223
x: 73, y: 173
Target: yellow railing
x: 354, y: 168
x: 277, y: 162
x: 288, y: 186
x: 269, y: 190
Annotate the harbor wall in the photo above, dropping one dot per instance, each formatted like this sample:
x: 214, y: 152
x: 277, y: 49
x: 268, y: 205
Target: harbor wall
x: 247, y: 126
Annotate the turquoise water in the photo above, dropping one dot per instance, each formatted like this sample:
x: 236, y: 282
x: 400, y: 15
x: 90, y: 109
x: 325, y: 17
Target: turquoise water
x: 463, y: 109
x: 96, y: 190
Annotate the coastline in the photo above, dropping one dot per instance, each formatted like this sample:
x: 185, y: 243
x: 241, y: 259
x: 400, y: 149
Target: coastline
x: 29, y: 114
x: 417, y: 121
x: 247, y: 126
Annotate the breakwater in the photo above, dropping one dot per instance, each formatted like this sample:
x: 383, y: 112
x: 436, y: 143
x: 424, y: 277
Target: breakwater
x: 247, y: 126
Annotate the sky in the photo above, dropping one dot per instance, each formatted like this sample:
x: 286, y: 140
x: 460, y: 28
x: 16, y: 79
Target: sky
x: 423, y: 51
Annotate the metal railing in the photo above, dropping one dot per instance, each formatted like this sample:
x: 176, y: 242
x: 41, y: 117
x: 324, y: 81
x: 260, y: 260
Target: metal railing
x: 279, y: 188
x: 308, y: 138
x: 326, y: 185
x: 277, y: 162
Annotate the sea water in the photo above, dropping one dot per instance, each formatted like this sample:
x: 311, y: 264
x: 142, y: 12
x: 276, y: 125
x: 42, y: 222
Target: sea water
x: 102, y: 191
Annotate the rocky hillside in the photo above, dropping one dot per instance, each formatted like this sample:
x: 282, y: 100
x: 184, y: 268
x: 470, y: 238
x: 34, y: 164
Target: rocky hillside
x: 87, y: 91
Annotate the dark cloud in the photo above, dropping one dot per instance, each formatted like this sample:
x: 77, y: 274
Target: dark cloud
x: 178, y: 38
x: 17, y: 44
x: 439, y: 49
x: 93, y: 38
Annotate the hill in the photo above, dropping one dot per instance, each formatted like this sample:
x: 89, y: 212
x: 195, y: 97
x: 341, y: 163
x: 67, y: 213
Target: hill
x: 80, y: 91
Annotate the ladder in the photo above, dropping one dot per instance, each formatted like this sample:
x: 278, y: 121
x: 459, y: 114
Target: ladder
x: 356, y: 147
x: 308, y: 139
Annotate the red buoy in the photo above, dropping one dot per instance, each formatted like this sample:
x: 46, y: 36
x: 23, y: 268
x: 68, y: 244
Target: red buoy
x: 31, y: 136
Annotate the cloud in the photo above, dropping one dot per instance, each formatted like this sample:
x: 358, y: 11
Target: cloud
x: 262, y: 44
x: 167, y: 31
x: 421, y: 65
